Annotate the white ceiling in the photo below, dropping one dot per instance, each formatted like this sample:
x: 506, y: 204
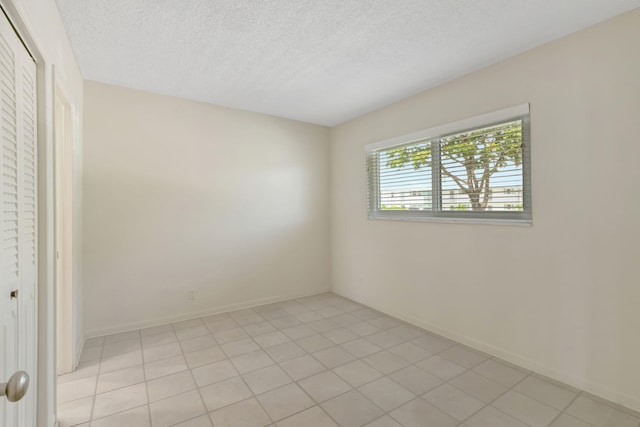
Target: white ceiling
x: 319, y: 61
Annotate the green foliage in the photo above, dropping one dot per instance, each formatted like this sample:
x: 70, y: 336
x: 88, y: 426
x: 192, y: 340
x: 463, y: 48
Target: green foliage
x: 461, y: 207
x: 393, y: 208
x: 469, y: 159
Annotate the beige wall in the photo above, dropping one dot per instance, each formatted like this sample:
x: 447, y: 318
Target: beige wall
x: 182, y: 196
x: 40, y: 25
x: 560, y: 297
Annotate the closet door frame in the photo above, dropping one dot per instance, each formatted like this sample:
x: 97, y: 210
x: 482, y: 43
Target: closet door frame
x: 44, y: 379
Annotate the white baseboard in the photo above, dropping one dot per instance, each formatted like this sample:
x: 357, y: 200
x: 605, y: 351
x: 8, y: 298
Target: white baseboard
x: 584, y: 384
x: 76, y: 357
x: 196, y: 314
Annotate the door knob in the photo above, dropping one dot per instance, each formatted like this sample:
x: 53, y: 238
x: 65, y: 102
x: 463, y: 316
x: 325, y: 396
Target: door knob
x: 17, y: 386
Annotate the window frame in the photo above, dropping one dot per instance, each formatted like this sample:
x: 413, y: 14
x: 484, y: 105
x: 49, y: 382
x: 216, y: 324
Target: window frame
x: 431, y: 135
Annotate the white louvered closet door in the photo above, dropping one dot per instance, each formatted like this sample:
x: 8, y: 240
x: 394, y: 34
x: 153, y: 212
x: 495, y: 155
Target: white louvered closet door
x: 18, y: 197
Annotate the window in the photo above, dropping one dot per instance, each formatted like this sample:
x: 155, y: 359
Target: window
x: 476, y: 169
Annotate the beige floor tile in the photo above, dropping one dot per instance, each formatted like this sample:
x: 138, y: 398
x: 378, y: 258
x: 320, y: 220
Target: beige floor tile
x: 464, y: 356
x: 454, y: 402
x: 94, y: 342
x: 75, y: 412
x: 345, y: 319
x: 386, y: 362
x: 192, y: 332
x: 441, y: 368
x: 84, y: 370
x: 270, y: 339
x: 545, y: 392
x: 162, y: 338
x: 367, y: 313
x: 285, y: 351
x: 407, y: 332
x: 201, y: 421
x: 323, y: 325
x: 285, y: 401
x: 238, y: 348
x: 251, y: 361
x: 116, y: 363
x: 187, y: 324
x: 230, y: 336
x: 214, y: 372
x: 386, y: 393
x: 340, y: 335
x: 416, y: 380
x: 333, y: 357
x: 410, y: 352
x: 478, y: 386
x: 525, y: 409
x: 120, y: 400
x: 565, y: 420
x: 259, y: 328
x: 361, y: 347
x: 312, y: 417
x: 159, y: 352
x: 121, y: 347
x: 118, y: 379
x: 302, y: 367
x: 247, y: 413
x: 198, y: 343
x: 433, y: 343
x: 363, y: 329
x: 156, y: 330
x: 314, y: 343
x: 220, y: 324
x: 165, y: 367
x: 385, y: 322
x: 599, y: 414
x: 501, y: 372
x: 122, y: 336
x: 91, y: 353
x: 224, y: 393
x: 420, y: 413
x: 285, y: 321
x: 309, y: 316
x: 246, y: 317
x: 491, y: 417
x: 329, y: 311
x: 385, y: 339
x: 266, y: 379
x: 77, y: 389
x: 357, y: 373
x: 298, y: 331
x: 204, y: 357
x: 330, y: 346
x: 385, y: 421
x: 324, y: 386
x: 352, y: 409
x: 170, y: 385
x: 137, y: 417
x: 176, y: 409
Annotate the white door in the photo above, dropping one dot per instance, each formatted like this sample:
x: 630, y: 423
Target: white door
x: 18, y: 253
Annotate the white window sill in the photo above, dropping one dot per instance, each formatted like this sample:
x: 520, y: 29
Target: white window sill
x: 486, y: 221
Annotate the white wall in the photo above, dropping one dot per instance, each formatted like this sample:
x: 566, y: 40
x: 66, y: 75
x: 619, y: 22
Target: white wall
x: 40, y: 25
x: 182, y: 196
x: 560, y: 297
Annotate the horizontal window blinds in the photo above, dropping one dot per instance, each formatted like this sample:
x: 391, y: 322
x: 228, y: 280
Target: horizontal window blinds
x: 480, y: 172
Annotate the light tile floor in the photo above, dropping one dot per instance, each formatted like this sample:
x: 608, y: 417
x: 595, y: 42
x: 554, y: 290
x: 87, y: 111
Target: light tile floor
x: 321, y: 361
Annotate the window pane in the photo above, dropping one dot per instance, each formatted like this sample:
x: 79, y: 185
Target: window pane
x: 405, y: 185
x: 482, y: 169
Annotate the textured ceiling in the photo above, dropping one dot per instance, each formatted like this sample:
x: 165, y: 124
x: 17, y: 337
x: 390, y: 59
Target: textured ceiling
x: 319, y: 61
